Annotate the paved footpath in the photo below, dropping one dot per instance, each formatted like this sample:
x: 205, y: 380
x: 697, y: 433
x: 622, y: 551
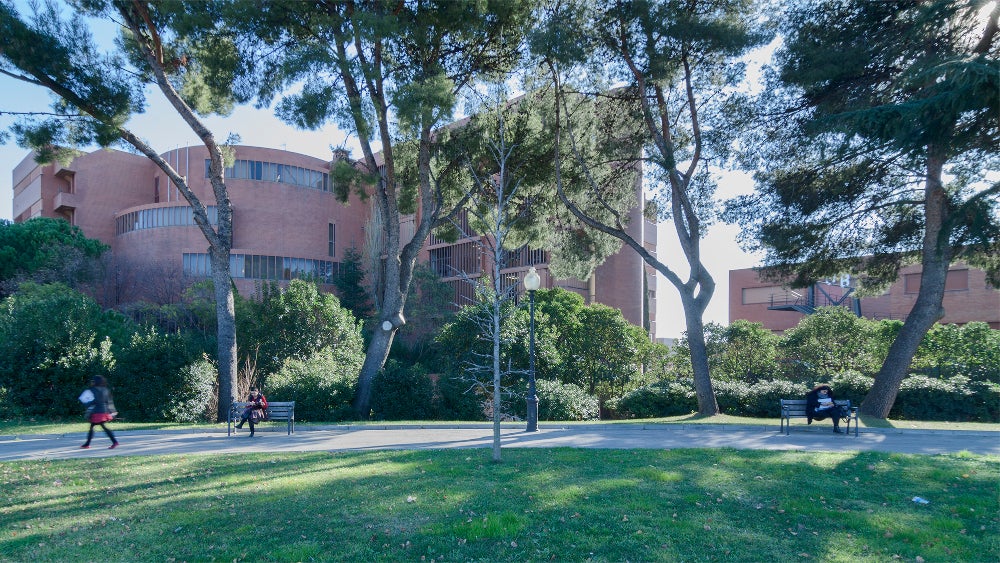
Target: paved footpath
x: 549, y: 435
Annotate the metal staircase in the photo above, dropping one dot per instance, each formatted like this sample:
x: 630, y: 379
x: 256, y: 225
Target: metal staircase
x: 815, y: 297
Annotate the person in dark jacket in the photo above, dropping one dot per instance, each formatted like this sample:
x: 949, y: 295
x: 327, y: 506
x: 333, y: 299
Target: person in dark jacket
x: 820, y: 405
x: 255, y: 409
x: 101, y: 407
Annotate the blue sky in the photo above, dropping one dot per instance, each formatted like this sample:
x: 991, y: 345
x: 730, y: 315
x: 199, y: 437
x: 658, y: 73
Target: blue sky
x: 165, y: 131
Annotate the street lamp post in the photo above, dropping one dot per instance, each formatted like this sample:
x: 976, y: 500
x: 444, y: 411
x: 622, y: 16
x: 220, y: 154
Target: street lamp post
x: 531, y: 283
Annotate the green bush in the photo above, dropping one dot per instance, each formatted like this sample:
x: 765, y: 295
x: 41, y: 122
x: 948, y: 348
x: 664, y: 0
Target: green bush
x: 988, y: 397
x: 8, y: 408
x: 759, y: 400
x: 294, y: 322
x: 669, y: 398
x: 971, y: 350
x: 743, y: 351
x: 402, y: 393
x: 851, y: 385
x: 53, y: 339
x: 954, y: 399
x: 832, y: 340
x: 197, y: 392
x: 565, y: 401
x: 456, y: 399
x: 322, y: 386
x: 155, y: 379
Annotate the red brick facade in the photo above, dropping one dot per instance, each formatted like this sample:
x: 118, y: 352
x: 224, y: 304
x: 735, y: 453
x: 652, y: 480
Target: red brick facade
x: 128, y: 203
x: 967, y: 298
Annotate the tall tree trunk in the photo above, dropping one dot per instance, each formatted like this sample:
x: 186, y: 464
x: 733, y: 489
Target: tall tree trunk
x: 694, y: 309
x: 375, y: 356
x: 225, y: 312
x: 496, y: 372
x: 936, y: 257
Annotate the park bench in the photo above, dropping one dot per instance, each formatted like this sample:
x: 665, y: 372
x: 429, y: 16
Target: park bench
x: 796, y: 408
x: 276, y: 411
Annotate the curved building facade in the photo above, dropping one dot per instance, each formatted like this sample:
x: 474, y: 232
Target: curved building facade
x: 286, y: 220
x: 286, y: 223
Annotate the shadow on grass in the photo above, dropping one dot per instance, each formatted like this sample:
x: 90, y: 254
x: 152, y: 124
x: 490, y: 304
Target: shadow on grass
x: 541, y: 504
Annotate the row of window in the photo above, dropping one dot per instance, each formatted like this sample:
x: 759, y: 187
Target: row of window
x: 180, y: 216
x: 956, y: 280
x: 467, y: 258
x: 274, y: 172
x: 259, y: 267
x: 455, y: 260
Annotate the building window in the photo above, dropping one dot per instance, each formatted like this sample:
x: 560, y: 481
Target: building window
x: 273, y: 172
x: 179, y: 216
x: 957, y: 280
x: 769, y: 295
x: 441, y: 262
x: 260, y: 267
x: 332, y: 238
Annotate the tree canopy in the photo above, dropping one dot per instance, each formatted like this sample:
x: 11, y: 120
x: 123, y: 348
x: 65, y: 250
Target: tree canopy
x: 662, y: 75
x: 96, y: 93
x: 883, y: 124
x: 391, y: 73
x: 43, y: 249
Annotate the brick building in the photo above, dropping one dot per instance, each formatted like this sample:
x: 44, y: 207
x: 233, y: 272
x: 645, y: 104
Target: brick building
x: 286, y: 222
x: 967, y: 298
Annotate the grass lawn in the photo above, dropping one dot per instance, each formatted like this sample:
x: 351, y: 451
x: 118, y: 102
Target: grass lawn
x: 536, y: 505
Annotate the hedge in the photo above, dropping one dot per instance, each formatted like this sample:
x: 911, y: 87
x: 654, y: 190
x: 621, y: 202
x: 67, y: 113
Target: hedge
x: 565, y: 401
x: 954, y: 399
x: 322, y: 386
x: 402, y: 393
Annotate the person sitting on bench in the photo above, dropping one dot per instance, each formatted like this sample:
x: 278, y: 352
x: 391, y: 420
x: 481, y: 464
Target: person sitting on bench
x: 255, y: 410
x: 820, y: 406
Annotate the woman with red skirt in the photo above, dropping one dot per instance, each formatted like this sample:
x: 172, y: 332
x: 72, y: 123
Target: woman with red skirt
x: 101, y: 407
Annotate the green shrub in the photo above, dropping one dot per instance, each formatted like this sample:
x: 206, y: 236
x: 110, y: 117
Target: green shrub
x: 971, y: 350
x: 53, y: 339
x: 8, y: 408
x: 154, y: 378
x: 402, y: 393
x: 851, y: 385
x: 743, y: 351
x: 953, y: 399
x: 988, y: 397
x: 565, y: 401
x: 196, y: 392
x: 670, y: 398
x: 456, y: 399
x: 832, y: 340
x: 759, y: 400
x: 294, y: 322
x: 322, y: 386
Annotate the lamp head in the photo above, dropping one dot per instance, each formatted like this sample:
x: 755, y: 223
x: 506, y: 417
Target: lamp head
x: 532, y: 280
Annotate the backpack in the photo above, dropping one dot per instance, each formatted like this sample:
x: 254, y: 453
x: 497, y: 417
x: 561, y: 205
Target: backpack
x: 263, y: 405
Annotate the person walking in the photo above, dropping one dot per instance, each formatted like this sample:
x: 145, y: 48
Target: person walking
x: 101, y: 407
